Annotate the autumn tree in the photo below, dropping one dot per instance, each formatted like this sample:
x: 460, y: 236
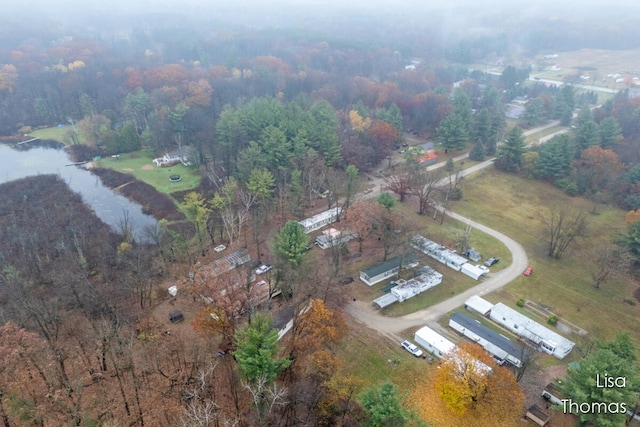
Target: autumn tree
x: 469, y: 389
x: 597, y: 170
x: 212, y: 321
x: 399, y: 182
x: 313, y: 374
x: 423, y: 183
x: 362, y: 217
x: 563, y: 226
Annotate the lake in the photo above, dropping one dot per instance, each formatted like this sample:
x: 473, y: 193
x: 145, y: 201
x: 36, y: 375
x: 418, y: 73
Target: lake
x: 44, y: 158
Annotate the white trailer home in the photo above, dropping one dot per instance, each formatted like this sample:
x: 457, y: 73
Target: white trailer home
x: 438, y: 252
x: 548, y: 341
x: 433, y: 342
x: 318, y: 221
x: 332, y: 237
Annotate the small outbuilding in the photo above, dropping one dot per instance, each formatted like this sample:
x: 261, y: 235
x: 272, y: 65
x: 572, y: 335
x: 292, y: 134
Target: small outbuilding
x: 537, y: 415
x: 479, y: 305
x: 176, y: 316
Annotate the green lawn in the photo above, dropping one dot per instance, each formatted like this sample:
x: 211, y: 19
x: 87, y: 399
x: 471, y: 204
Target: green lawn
x: 515, y: 206
x: 140, y: 165
x: 55, y: 133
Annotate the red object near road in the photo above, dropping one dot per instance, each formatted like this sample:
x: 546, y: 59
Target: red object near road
x: 528, y: 271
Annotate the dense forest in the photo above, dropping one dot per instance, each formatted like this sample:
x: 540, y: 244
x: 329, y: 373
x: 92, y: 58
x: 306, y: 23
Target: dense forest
x: 282, y: 123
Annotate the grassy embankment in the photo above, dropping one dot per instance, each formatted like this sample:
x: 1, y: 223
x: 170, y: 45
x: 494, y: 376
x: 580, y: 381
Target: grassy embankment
x: 55, y: 133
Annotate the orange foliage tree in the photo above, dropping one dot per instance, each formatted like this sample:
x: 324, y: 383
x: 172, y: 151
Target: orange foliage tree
x: 632, y: 216
x: 600, y: 168
x: 468, y: 389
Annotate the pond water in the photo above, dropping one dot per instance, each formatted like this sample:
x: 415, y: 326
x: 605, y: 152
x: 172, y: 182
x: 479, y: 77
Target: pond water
x: 43, y: 158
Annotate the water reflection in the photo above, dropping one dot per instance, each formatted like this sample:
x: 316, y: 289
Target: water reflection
x: 48, y: 157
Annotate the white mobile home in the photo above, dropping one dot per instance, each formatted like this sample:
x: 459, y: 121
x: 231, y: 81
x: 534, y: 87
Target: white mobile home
x: 417, y: 285
x: 318, y: 221
x: 438, y: 252
x: 479, y: 305
x: 500, y: 347
x: 548, y: 341
x: 433, y: 342
x: 472, y: 271
x: 333, y: 237
x: 406, y: 289
x: 386, y: 270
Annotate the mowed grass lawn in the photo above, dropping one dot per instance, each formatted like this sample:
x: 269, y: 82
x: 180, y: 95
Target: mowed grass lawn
x: 56, y: 133
x: 516, y: 207
x: 140, y: 165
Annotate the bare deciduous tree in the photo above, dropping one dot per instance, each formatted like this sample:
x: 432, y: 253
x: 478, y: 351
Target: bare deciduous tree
x: 563, y: 225
x: 607, y: 262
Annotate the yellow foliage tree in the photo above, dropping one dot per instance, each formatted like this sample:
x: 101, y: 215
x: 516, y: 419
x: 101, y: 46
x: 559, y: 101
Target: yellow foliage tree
x: 468, y: 389
x: 357, y: 122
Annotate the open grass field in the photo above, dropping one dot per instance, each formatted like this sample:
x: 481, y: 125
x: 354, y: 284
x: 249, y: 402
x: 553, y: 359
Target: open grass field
x: 386, y: 362
x: 140, y: 165
x: 515, y: 206
x: 55, y: 133
x: 597, y: 64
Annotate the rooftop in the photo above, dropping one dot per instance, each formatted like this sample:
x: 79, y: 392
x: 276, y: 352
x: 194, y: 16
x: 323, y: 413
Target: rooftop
x: 402, y: 260
x: 498, y: 340
x: 533, y: 328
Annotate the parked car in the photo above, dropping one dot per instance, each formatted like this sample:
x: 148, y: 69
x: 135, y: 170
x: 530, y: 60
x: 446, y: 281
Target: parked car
x: 528, y: 271
x: 411, y: 348
x: 307, y: 248
x: 368, y: 190
x: 491, y: 261
x: 261, y: 283
x: 264, y: 268
x: 483, y: 268
x: 220, y: 248
x: 346, y: 280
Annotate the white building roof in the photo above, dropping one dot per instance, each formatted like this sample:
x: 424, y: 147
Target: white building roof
x: 526, y: 327
x: 436, y: 340
x: 412, y: 287
x: 321, y: 217
x: 481, y: 305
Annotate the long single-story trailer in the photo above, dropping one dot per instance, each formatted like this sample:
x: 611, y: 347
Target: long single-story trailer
x: 438, y: 252
x: 500, y: 347
x: 433, y: 342
x: 318, y: 221
x: 547, y: 340
x: 386, y: 270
